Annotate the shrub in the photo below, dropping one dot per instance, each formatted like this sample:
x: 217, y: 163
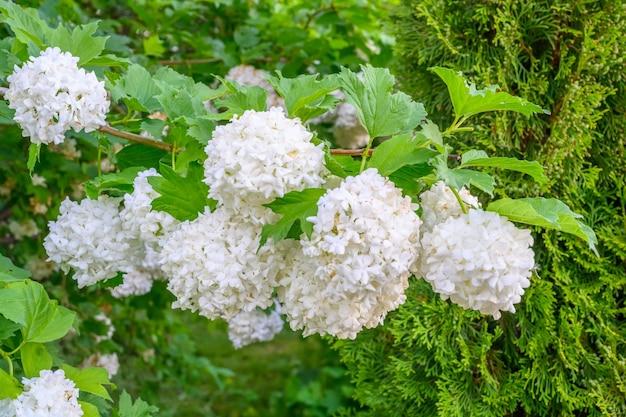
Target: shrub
x: 562, y: 353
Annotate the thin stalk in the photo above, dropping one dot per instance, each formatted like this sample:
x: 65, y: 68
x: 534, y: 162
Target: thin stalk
x: 131, y: 137
x: 460, y: 200
x: 365, y: 154
x: 7, y: 358
x: 99, y: 160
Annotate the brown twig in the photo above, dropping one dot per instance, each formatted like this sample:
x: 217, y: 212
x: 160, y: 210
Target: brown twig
x: 131, y: 137
x: 350, y: 152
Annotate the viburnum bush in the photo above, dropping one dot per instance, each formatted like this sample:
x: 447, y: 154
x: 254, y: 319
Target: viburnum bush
x: 234, y: 195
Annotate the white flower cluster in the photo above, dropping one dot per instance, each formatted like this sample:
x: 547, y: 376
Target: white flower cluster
x: 98, y: 240
x: 478, y: 260
x: 213, y: 265
x: 250, y: 327
x: 89, y: 237
x: 26, y: 228
x: 439, y: 203
x: 250, y: 76
x: 51, y: 95
x: 110, y: 362
x: 108, y: 324
x: 261, y: 156
x: 48, y: 395
x: 355, y: 267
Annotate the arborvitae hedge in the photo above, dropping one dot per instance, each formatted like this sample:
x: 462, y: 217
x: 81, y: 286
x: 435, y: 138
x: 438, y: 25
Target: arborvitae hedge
x: 564, y: 352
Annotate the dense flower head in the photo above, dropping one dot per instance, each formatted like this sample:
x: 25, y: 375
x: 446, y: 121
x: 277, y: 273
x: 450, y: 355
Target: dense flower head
x: 51, y: 95
x: 250, y: 76
x: 479, y: 261
x: 48, y: 395
x: 89, y: 237
x: 137, y: 215
x: 355, y: 267
x: 213, y: 266
x: 108, y: 361
x: 7, y: 408
x: 439, y: 203
x: 250, y: 327
x: 134, y: 282
x: 261, y: 156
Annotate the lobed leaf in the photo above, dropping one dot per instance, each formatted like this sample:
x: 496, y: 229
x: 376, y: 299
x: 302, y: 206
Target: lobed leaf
x: 306, y: 96
x: 468, y: 101
x: 91, y: 380
x: 548, y: 213
x: 35, y: 358
x: 531, y: 168
x: 399, y: 151
x: 382, y: 112
x: 294, y: 207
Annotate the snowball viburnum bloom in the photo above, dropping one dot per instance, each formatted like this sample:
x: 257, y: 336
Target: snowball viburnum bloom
x: 51, y: 95
x: 261, y: 156
x: 49, y: 394
x: 135, y: 282
x: 250, y: 76
x: 479, y: 261
x: 213, y: 266
x: 250, y: 327
x: 355, y: 267
x: 89, y: 237
x: 109, y: 361
x: 439, y: 203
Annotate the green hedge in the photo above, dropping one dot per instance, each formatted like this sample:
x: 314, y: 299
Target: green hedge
x: 564, y: 352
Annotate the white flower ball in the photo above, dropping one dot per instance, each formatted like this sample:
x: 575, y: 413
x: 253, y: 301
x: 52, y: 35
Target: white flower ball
x: 213, y: 266
x: 348, y: 131
x: 261, y: 156
x: 250, y: 327
x: 479, y: 261
x: 110, y: 362
x: 355, y: 267
x: 7, y: 408
x: 89, y: 237
x: 439, y: 203
x: 250, y: 76
x: 135, y: 282
x: 51, y: 95
x: 48, y: 395
x: 137, y: 216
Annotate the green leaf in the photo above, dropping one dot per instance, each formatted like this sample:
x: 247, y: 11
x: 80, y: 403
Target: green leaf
x: 461, y: 177
x: 306, y: 96
x: 25, y: 23
x: 9, y: 387
x: 43, y: 320
x: 91, y: 380
x: 116, y: 184
x: 294, y: 207
x: 35, y: 358
x: 89, y: 410
x: 137, y: 84
x: 431, y: 131
x: 153, y: 46
x: 139, y: 409
x: 7, y: 328
x: 33, y: 156
x: 548, y: 213
x: 400, y: 150
x: 239, y: 98
x: 10, y: 272
x: 406, y: 178
x: 6, y: 114
x: 381, y: 112
x: 137, y: 155
x: 108, y: 60
x: 182, y: 197
x: 467, y: 100
x: 342, y: 165
x: 531, y: 168
x: 81, y: 42
x: 200, y: 128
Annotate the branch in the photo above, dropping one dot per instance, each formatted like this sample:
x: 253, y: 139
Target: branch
x: 350, y: 152
x: 131, y: 137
